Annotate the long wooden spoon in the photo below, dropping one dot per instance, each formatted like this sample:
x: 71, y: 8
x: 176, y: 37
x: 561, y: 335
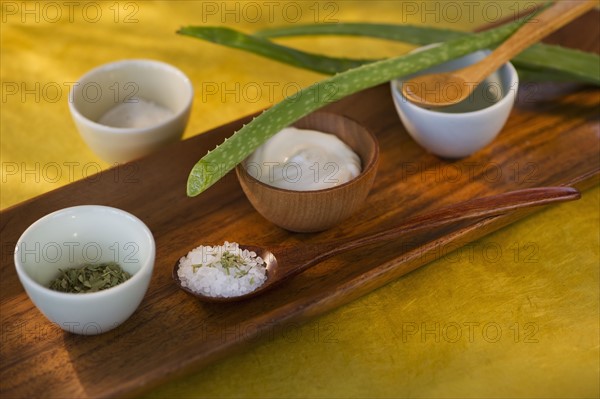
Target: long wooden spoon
x: 285, y: 262
x: 444, y: 89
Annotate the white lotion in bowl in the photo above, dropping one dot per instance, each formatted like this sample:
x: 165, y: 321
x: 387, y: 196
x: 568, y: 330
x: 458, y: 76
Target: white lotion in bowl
x: 136, y: 113
x: 303, y: 160
x: 102, y: 98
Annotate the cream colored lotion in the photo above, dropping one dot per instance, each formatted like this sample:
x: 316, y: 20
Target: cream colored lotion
x: 138, y: 114
x: 303, y: 160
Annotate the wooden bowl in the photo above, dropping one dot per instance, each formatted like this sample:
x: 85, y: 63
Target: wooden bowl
x: 312, y: 211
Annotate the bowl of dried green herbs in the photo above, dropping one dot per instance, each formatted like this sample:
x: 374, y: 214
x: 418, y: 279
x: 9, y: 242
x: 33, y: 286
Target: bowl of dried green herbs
x: 86, y: 268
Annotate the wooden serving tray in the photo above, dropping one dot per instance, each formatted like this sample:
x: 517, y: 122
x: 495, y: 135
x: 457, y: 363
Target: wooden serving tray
x: 551, y: 138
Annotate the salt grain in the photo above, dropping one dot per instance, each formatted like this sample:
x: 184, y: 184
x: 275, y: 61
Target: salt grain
x: 222, y: 271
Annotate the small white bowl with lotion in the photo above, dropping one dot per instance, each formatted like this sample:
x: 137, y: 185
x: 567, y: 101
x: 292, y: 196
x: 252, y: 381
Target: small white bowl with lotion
x: 83, y: 234
x: 127, y: 109
x: 460, y: 130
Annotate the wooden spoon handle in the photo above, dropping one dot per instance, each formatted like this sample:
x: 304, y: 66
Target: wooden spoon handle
x: 541, y: 25
x: 471, y: 209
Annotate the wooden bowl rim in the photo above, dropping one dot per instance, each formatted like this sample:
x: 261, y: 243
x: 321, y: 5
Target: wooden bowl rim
x: 372, y: 164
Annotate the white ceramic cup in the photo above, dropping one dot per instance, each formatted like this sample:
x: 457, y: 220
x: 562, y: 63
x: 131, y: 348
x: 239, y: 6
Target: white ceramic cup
x: 109, y: 85
x: 460, y: 130
x: 71, y: 237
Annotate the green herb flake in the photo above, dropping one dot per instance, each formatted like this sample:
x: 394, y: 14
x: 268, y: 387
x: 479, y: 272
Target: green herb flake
x: 197, y: 266
x: 228, y: 261
x: 89, y: 278
x: 241, y: 273
x: 231, y: 260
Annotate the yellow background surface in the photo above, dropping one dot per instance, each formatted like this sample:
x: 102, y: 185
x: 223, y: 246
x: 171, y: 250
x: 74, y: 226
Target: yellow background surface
x: 523, y: 323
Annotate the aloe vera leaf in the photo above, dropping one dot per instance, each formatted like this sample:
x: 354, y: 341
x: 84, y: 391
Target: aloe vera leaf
x: 533, y: 64
x: 232, y: 38
x: 242, y: 143
x: 552, y: 62
x: 413, y: 34
x: 298, y: 58
x: 540, y: 75
x: 570, y: 64
x: 334, y: 65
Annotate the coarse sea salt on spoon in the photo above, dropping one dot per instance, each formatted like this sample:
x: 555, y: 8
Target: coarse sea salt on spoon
x: 221, y: 271
x: 282, y: 263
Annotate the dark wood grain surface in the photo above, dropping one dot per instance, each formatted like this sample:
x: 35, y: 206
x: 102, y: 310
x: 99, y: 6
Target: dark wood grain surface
x: 547, y: 141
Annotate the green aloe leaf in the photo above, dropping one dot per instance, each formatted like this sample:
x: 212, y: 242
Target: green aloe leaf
x: 413, y: 34
x: 234, y: 150
x: 232, y: 38
x: 538, y: 62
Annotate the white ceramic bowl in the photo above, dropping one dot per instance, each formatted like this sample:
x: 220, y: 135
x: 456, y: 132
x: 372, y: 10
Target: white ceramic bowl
x: 462, y: 129
x: 71, y: 237
x: 128, y: 81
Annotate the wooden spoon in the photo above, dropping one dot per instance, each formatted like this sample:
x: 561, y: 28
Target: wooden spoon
x: 285, y: 262
x: 432, y: 90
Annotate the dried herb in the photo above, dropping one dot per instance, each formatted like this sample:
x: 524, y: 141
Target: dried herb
x: 89, y: 278
x: 231, y: 260
x: 228, y: 261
